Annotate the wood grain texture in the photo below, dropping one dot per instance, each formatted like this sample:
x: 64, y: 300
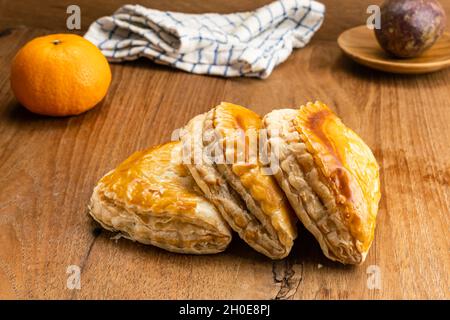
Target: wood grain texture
x: 360, y: 44
x: 49, y: 167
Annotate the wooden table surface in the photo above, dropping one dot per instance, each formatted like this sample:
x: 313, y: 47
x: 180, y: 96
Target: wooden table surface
x: 50, y: 165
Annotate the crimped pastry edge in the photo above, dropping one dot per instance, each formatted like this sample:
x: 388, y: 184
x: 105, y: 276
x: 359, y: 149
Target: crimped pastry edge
x: 227, y: 200
x: 291, y: 151
x: 254, y: 207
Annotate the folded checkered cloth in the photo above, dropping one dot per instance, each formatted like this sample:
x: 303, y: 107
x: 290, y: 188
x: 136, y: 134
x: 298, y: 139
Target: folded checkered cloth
x: 239, y: 44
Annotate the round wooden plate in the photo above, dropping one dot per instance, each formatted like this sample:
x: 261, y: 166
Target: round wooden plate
x: 360, y: 44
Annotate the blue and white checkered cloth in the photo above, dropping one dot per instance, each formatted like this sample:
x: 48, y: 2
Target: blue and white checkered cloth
x: 238, y: 44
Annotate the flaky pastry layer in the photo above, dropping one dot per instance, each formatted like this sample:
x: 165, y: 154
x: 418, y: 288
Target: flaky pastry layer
x: 151, y: 198
x: 250, y: 201
x: 321, y: 203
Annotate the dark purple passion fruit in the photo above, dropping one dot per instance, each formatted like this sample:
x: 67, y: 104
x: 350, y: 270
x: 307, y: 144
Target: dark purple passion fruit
x: 409, y: 27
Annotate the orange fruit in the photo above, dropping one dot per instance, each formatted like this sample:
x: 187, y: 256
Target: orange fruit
x: 60, y: 75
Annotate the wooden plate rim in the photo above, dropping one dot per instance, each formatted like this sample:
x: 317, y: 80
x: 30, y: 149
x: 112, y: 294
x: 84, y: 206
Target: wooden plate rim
x: 400, y: 65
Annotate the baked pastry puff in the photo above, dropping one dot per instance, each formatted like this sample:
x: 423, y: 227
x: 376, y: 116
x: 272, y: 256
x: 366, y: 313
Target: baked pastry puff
x: 330, y: 177
x: 151, y: 198
x: 219, y: 154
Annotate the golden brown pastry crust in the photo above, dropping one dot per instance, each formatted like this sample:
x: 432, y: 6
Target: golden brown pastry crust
x: 330, y: 177
x: 151, y: 198
x: 262, y: 216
